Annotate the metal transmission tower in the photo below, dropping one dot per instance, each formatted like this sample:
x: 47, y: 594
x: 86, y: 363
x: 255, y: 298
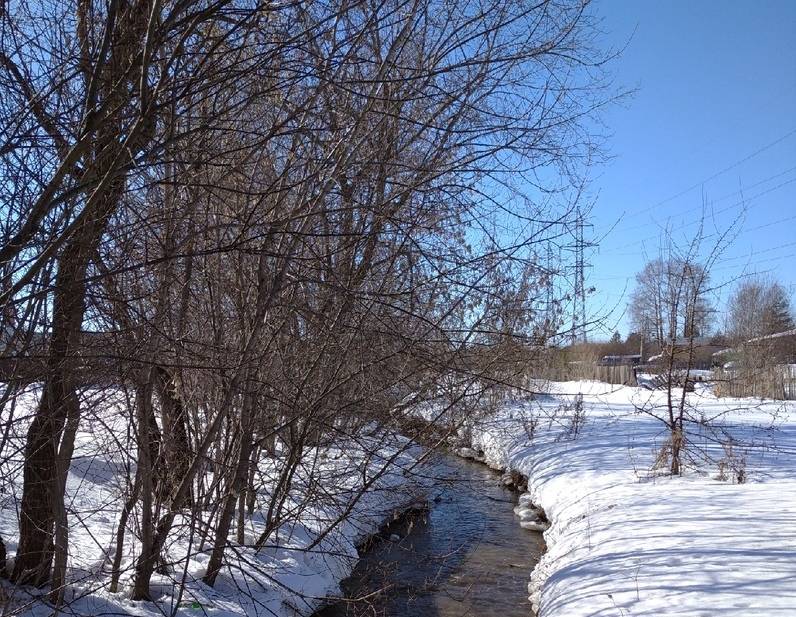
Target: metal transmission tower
x: 550, y: 313
x: 579, y: 300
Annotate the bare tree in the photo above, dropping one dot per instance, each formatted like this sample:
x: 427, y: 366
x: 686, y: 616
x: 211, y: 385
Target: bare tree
x: 279, y: 223
x: 670, y: 300
x: 757, y: 307
x: 678, y: 287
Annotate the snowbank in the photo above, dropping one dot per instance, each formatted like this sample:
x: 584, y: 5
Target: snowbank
x: 300, y: 566
x: 627, y: 540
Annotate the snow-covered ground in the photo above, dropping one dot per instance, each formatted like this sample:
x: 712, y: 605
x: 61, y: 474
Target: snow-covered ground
x: 288, y: 577
x: 627, y: 540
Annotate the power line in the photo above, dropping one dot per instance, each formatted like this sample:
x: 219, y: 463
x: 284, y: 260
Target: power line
x: 719, y: 199
x: 760, y: 252
x: 719, y: 173
x: 721, y: 211
x: 755, y: 263
x: 723, y: 265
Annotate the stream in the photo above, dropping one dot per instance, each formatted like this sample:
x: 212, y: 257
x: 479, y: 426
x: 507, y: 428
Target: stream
x: 466, y: 557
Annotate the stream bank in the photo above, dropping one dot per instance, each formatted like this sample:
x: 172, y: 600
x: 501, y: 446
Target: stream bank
x: 465, y: 555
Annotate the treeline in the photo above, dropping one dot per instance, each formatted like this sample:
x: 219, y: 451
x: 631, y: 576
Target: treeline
x: 274, y: 223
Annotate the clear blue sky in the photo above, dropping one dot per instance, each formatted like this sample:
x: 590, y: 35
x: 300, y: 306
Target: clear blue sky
x: 715, y: 112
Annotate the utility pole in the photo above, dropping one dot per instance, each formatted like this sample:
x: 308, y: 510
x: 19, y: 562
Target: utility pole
x: 579, y: 303
x: 550, y: 317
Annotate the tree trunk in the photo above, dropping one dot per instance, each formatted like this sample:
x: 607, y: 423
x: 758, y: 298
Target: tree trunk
x: 677, y: 446
x: 237, y: 487
x: 59, y: 399
x: 61, y: 545
x: 145, y: 564
x: 116, y: 567
x: 175, y: 447
x: 3, y: 571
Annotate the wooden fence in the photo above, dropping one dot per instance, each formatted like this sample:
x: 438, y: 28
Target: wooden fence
x: 575, y: 371
x: 775, y: 382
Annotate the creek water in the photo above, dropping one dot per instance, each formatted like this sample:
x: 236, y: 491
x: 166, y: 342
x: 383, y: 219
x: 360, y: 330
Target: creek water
x: 466, y: 557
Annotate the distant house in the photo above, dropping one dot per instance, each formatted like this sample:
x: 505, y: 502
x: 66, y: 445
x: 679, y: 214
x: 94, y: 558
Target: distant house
x: 624, y: 360
x: 778, y: 348
x: 696, y: 353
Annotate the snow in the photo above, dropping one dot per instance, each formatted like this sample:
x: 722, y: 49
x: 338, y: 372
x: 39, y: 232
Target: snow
x: 768, y: 337
x: 627, y: 540
x: 624, y: 539
x: 653, y: 381
x: 288, y: 577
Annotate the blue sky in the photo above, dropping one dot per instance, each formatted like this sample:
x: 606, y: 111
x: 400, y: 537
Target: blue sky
x: 714, y: 114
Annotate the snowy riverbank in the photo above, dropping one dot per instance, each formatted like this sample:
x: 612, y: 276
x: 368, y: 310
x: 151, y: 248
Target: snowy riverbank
x: 290, y: 575
x: 627, y: 540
